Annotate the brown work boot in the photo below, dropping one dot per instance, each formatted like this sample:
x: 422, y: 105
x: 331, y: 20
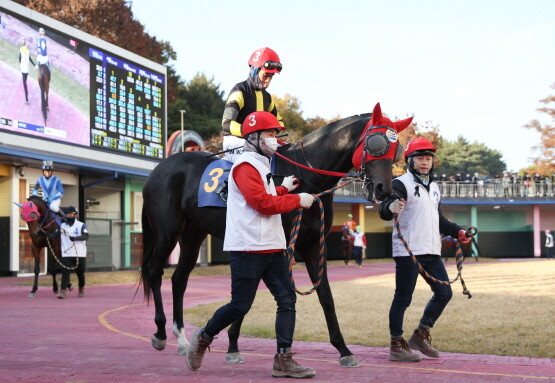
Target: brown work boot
x: 199, y: 343
x: 81, y: 292
x: 286, y: 367
x: 401, y: 352
x: 421, y: 340
x: 62, y: 294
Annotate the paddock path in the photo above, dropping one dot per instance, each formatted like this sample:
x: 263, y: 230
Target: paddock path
x: 104, y: 337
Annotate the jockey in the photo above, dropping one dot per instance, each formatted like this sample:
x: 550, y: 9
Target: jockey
x: 52, y: 189
x: 42, y: 55
x: 247, y: 97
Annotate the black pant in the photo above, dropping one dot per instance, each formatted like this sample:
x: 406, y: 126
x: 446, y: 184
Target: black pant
x: 247, y: 269
x: 80, y: 270
x: 406, y: 274
x: 24, y: 75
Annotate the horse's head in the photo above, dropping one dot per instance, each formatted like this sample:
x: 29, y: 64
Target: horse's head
x: 32, y: 211
x: 378, y: 149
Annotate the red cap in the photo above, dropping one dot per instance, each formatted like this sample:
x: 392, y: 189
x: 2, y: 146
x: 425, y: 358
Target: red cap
x: 260, y: 121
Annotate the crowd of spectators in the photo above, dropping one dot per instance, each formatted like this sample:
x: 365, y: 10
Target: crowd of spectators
x: 509, y: 184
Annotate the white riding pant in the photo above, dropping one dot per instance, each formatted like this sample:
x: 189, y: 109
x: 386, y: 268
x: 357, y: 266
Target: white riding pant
x: 235, y: 146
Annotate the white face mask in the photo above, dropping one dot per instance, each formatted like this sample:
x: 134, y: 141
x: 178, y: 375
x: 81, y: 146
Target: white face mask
x: 271, y: 143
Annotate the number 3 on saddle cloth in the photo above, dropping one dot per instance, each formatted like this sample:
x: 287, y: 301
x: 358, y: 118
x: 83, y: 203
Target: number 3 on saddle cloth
x: 212, y: 190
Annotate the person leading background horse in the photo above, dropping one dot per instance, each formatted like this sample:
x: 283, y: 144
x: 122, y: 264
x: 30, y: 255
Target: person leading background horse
x: 74, y: 251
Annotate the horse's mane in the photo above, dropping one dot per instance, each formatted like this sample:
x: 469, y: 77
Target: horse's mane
x: 332, y: 127
x: 35, y: 198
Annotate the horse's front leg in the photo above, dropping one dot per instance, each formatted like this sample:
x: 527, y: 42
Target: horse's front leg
x: 311, y: 258
x: 233, y: 355
x: 36, y: 256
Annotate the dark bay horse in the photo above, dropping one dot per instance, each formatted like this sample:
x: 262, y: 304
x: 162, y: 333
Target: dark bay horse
x: 171, y: 213
x: 44, y: 83
x: 44, y: 232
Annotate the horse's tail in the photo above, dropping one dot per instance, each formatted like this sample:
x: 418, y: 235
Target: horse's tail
x: 147, y: 252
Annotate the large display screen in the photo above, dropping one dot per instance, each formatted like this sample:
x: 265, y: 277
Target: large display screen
x: 59, y: 88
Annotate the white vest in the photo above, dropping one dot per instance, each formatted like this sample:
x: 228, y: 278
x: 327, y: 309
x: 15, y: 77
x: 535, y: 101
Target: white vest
x: 76, y: 248
x: 24, y: 65
x: 419, y: 220
x: 246, y: 229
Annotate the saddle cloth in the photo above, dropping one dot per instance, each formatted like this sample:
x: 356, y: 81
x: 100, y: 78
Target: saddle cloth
x: 211, y: 181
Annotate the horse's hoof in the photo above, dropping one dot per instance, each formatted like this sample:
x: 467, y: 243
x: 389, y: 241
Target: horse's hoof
x: 55, y: 291
x: 234, y: 358
x: 157, y: 343
x: 182, y: 350
x: 349, y: 361
x: 31, y: 295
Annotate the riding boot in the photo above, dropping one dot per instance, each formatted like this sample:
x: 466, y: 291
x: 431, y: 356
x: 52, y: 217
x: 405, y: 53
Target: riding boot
x: 62, y: 215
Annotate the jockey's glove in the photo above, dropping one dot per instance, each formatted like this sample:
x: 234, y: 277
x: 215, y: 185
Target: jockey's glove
x: 291, y: 183
x: 306, y: 200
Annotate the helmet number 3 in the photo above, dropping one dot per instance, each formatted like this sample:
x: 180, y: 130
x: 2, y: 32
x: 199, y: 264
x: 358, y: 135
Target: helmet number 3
x: 252, y: 120
x: 256, y: 56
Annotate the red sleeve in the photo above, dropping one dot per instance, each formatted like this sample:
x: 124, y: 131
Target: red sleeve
x: 364, y: 239
x: 252, y: 187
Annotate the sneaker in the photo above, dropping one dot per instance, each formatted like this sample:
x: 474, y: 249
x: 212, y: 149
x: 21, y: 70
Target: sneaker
x: 62, y: 294
x: 286, y: 367
x: 196, y: 349
x: 81, y: 292
x: 401, y: 352
x: 421, y: 340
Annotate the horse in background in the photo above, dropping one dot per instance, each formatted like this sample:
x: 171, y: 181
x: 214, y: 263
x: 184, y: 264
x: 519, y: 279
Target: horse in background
x: 171, y: 212
x: 44, y: 232
x: 44, y: 83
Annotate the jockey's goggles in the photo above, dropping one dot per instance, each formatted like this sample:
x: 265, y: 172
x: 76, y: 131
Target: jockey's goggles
x: 272, y: 65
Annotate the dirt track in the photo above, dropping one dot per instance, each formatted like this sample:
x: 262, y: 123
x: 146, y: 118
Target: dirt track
x: 105, y: 337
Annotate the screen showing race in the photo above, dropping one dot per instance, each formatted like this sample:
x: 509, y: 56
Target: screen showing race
x: 58, y: 88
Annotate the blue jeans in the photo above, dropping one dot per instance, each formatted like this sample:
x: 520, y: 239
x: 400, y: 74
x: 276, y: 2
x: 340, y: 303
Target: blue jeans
x: 406, y: 274
x: 247, y: 269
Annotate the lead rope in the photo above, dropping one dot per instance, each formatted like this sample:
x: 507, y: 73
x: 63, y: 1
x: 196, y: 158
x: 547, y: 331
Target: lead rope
x: 54, y: 254
x: 290, y: 251
x: 459, y: 257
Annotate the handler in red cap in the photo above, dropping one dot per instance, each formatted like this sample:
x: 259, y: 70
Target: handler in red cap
x: 416, y: 200
x: 256, y: 242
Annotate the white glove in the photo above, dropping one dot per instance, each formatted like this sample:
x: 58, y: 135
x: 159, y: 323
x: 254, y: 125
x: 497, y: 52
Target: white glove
x: 306, y: 200
x: 397, y: 206
x: 291, y: 183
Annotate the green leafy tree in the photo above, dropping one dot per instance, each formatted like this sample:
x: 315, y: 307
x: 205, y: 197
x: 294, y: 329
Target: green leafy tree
x: 289, y: 108
x: 544, y: 163
x: 203, y: 102
x: 460, y: 156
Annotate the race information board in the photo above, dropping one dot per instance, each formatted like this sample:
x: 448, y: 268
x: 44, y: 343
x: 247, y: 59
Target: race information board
x: 127, y: 106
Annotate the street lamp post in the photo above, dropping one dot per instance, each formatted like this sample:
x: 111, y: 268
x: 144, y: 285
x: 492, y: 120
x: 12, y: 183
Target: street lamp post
x: 182, y: 111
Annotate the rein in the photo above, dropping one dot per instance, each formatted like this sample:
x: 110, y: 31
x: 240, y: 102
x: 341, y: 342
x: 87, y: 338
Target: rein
x: 459, y: 257
x: 290, y: 251
x: 320, y: 171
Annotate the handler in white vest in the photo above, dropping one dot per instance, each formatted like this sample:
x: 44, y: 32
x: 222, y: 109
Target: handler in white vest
x: 416, y: 200
x: 24, y: 60
x: 74, y: 249
x: 255, y: 239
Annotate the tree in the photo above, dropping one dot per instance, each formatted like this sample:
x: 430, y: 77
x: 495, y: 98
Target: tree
x: 460, y: 156
x: 204, y: 104
x: 289, y: 108
x: 545, y: 162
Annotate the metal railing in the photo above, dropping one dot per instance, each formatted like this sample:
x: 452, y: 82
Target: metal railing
x: 481, y: 189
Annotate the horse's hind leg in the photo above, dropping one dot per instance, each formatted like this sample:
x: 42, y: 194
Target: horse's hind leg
x: 233, y: 355
x: 189, y: 245
x: 163, y: 249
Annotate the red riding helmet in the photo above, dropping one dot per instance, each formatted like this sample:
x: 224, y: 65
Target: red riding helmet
x: 267, y: 59
x: 260, y: 121
x: 419, y: 146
